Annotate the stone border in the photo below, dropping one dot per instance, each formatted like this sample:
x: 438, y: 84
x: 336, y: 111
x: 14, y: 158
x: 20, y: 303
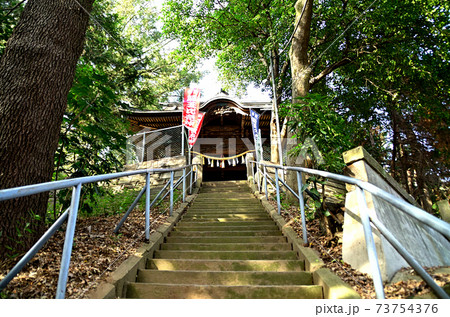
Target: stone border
x: 115, y: 284
x: 333, y: 286
x: 359, y: 153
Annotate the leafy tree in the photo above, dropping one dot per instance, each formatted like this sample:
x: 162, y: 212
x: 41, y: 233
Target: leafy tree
x: 117, y: 70
x: 375, y: 59
x: 247, y: 37
x: 49, y: 94
x: 36, y: 73
x: 404, y: 88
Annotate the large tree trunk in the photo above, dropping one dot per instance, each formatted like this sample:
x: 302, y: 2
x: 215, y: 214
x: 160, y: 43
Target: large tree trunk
x: 36, y: 74
x: 301, y: 72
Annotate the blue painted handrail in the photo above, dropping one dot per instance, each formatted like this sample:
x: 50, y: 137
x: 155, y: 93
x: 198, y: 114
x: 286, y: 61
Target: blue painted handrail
x: 71, y: 213
x: 366, y: 219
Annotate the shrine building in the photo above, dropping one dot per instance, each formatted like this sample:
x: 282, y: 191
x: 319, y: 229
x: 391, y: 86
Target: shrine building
x: 225, y: 136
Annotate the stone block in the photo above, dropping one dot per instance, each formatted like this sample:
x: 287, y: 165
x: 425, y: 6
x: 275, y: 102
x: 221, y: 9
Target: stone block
x: 444, y: 210
x: 333, y: 286
x: 426, y: 245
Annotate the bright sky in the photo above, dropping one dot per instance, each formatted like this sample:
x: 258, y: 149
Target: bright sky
x: 210, y: 84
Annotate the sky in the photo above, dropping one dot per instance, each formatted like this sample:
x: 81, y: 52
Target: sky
x: 210, y: 84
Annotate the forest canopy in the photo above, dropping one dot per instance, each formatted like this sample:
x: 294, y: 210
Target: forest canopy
x: 344, y: 73
x: 381, y: 66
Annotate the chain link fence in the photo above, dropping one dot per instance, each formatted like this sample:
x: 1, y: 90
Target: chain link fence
x: 147, y: 145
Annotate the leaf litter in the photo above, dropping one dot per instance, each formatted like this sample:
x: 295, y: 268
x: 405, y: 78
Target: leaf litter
x: 97, y: 252
x: 330, y: 251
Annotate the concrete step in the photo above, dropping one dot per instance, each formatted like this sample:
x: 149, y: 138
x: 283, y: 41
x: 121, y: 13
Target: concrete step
x: 225, y: 277
x: 227, y: 246
x: 226, y: 228
x: 225, y: 201
x: 225, y: 194
x: 184, y: 291
x: 238, y: 189
x: 238, y: 215
x: 224, y: 213
x: 241, y: 183
x: 226, y: 265
x: 224, y: 239
x: 226, y: 217
x: 199, y: 209
x: 225, y: 255
x: 232, y: 199
x: 243, y: 223
x: 225, y: 233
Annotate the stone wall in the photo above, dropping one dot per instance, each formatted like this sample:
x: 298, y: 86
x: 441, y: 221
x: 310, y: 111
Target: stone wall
x: 426, y: 245
x: 159, y: 179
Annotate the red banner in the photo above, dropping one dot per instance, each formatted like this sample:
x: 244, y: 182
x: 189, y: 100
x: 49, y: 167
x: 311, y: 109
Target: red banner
x: 193, y: 134
x: 190, y: 107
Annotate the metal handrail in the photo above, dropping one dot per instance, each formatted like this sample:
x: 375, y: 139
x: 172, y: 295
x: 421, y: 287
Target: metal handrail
x: 71, y: 213
x: 366, y: 218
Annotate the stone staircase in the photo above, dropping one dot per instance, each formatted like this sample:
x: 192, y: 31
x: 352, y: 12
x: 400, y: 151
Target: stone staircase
x: 225, y: 246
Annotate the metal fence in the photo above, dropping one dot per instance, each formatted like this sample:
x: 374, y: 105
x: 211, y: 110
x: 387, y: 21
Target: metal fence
x: 186, y: 180
x: 366, y: 218
x: 148, y: 145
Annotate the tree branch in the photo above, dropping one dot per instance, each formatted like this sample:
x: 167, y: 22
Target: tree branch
x: 10, y: 10
x: 329, y: 70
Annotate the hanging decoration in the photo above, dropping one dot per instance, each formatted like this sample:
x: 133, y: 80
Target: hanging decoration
x: 190, y: 107
x: 220, y: 161
x: 193, y: 134
x: 256, y: 133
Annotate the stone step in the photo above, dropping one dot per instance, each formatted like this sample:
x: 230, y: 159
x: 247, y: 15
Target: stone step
x: 225, y: 277
x: 226, y: 265
x: 238, y: 189
x: 226, y: 255
x: 226, y: 217
x: 224, y: 184
x: 224, y: 239
x: 202, y: 212
x: 224, y: 198
x: 239, y: 214
x: 226, y: 228
x: 244, y: 223
x: 227, y: 246
x: 225, y: 233
x: 185, y: 291
x: 225, y: 194
x: 206, y: 210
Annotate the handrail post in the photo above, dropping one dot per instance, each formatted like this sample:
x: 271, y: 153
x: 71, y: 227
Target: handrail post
x: 253, y: 171
x: 171, y: 193
x: 147, y: 206
x: 143, y: 147
x: 278, y: 190
x: 184, y: 184
x: 259, y: 178
x: 265, y: 182
x: 130, y: 209
x: 302, y: 206
x: 371, y: 249
x: 190, y: 179
x: 68, y: 242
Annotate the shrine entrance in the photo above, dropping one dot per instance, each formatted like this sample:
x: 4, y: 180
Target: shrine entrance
x: 226, y: 136
x: 224, y: 140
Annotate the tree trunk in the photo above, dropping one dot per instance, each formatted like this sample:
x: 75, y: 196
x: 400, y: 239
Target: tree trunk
x: 301, y: 74
x: 36, y: 74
